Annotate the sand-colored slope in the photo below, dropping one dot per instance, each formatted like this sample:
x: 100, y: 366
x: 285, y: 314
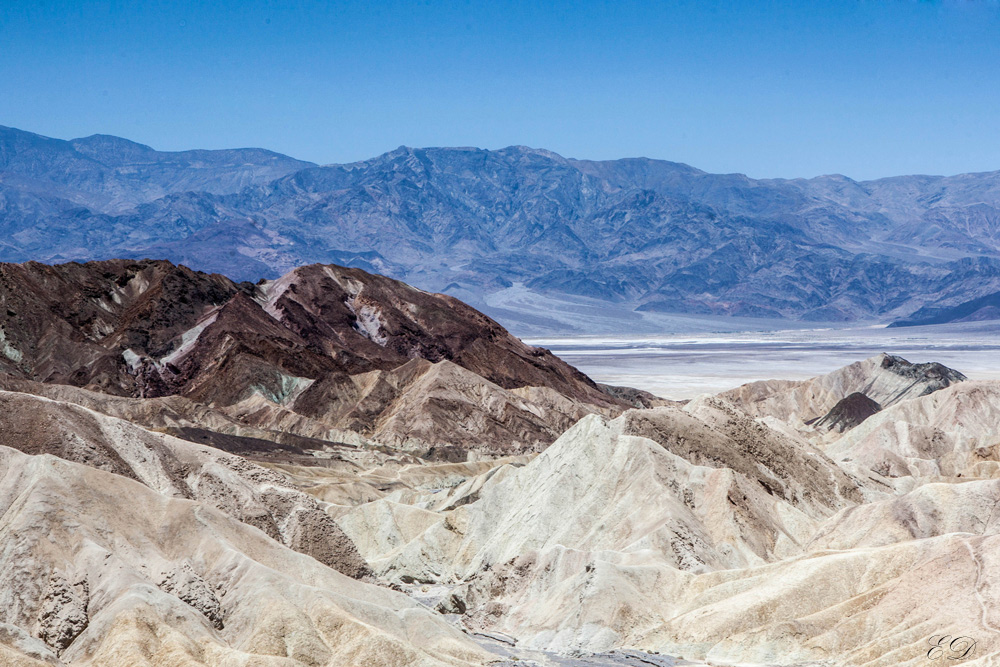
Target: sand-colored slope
x: 857, y: 607
x: 954, y: 432
x: 860, y: 607
x: 178, y: 468
x: 595, y: 489
x: 718, y: 540
x: 884, y: 378
x: 930, y: 510
x: 108, y: 572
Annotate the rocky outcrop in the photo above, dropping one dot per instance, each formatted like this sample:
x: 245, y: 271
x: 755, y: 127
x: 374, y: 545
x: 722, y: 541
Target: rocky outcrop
x: 63, y: 613
x: 185, y: 584
x: 847, y: 413
x: 637, y: 398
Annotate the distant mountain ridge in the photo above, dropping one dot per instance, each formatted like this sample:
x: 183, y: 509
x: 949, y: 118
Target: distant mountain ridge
x: 983, y: 308
x: 111, y: 175
x: 636, y: 234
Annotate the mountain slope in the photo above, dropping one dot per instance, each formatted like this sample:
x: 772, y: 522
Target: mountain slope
x: 984, y: 308
x: 633, y: 234
x: 335, y: 350
x: 716, y: 567
x: 110, y: 175
x: 88, y: 578
x: 177, y: 468
x: 885, y: 379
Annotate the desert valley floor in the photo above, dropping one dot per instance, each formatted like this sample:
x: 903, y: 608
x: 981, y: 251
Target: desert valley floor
x: 682, y: 365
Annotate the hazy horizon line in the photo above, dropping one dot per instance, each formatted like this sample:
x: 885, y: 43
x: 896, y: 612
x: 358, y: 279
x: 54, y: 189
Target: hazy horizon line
x: 503, y: 148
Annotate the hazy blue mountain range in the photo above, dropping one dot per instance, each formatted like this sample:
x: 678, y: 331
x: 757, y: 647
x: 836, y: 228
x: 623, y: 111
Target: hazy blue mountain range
x: 978, y: 309
x: 638, y: 234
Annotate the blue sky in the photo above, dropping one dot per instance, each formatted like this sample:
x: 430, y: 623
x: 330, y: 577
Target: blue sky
x: 868, y: 89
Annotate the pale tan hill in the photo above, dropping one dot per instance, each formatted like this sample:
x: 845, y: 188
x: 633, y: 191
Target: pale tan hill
x: 875, y: 580
x: 178, y: 468
x: 101, y: 570
x: 597, y: 488
x: 950, y: 433
x: 930, y: 510
x: 602, y: 488
x: 699, y: 533
x: 885, y: 379
x: 862, y: 607
x: 439, y: 411
x: 394, y: 477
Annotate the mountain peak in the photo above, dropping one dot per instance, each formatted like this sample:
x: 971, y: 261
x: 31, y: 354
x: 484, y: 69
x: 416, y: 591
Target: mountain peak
x: 109, y: 140
x: 109, y: 148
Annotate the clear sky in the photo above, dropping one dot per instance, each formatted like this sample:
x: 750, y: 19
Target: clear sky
x: 864, y: 88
